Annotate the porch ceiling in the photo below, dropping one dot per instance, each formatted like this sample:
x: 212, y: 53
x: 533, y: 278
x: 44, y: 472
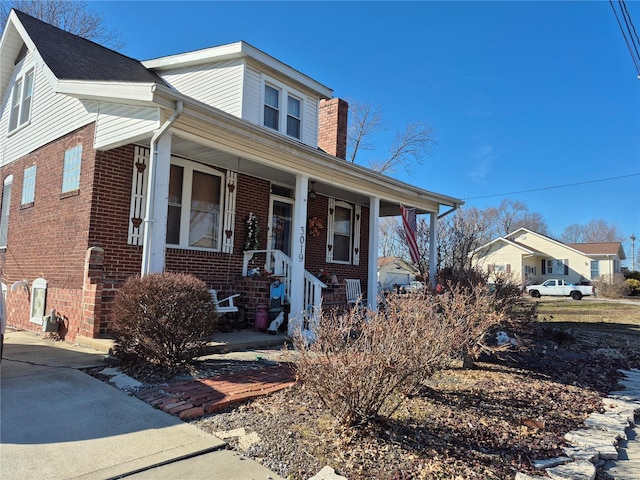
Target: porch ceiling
x: 209, y: 156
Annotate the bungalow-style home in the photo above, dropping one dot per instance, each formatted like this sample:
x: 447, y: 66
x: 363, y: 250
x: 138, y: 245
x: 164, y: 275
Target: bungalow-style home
x: 222, y: 163
x: 393, y: 271
x: 532, y: 258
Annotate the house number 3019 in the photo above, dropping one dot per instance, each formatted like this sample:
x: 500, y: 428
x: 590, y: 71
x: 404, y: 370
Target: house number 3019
x: 302, y: 238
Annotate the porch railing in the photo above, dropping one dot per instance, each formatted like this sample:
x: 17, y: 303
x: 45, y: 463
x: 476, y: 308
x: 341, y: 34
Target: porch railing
x: 280, y: 264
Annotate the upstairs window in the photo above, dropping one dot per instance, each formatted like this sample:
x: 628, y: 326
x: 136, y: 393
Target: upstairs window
x: 21, y: 101
x: 293, y: 117
x: 29, y: 185
x: 283, y: 108
x: 71, y: 169
x: 4, y: 211
x: 271, y: 107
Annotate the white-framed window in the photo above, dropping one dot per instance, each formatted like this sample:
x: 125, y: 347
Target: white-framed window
x: 4, y: 211
x: 556, y: 267
x: 29, y: 185
x: 195, y: 206
x: 21, y: 101
x: 342, y: 221
x: 271, y: 107
x: 294, y: 113
x: 595, y: 269
x: 616, y: 266
x: 71, y: 169
x: 38, y: 300
x: 284, y: 118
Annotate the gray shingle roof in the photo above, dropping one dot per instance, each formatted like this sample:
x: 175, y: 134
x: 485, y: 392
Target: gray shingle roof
x: 71, y: 57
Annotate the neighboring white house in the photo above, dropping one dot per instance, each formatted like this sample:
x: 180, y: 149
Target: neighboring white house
x: 530, y: 257
x: 394, y: 271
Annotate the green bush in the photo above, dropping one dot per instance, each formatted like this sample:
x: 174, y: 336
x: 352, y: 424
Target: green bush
x: 163, y: 319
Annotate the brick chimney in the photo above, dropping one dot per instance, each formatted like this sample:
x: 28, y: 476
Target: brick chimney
x: 332, y: 127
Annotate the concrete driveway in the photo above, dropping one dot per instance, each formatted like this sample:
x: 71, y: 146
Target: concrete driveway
x: 59, y: 423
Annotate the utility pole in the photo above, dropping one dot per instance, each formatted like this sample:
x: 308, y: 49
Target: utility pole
x: 633, y: 252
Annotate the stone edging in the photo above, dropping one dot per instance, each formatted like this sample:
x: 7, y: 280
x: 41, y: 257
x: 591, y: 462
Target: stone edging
x: 592, y: 446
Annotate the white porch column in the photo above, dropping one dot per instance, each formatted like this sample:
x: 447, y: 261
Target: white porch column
x: 296, y: 316
x: 433, y: 248
x: 155, y: 221
x: 372, y: 273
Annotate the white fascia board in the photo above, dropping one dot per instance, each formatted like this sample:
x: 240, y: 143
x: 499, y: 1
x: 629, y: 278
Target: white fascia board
x: 285, y: 153
x: 236, y: 50
x: 116, y: 92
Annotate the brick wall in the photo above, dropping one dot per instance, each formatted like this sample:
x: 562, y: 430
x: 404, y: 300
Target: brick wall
x: 78, y: 241
x: 48, y: 238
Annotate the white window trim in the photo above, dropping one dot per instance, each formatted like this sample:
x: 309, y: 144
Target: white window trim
x: 4, y: 210
x: 21, y: 78
x: 285, y: 92
x: 331, y: 237
x: 65, y: 172
x: 37, y: 317
x: 185, y: 212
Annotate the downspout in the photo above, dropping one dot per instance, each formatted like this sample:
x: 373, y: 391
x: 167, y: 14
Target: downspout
x: 151, y: 187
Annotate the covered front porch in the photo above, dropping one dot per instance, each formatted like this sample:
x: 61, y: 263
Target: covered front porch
x: 197, y: 182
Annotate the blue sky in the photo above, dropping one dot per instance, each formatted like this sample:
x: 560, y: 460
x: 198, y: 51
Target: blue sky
x: 520, y: 95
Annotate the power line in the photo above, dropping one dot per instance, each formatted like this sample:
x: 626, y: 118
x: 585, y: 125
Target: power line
x: 635, y: 56
x: 556, y: 186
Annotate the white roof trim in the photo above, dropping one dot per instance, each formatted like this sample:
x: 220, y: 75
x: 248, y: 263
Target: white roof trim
x: 231, y: 51
x: 544, y: 237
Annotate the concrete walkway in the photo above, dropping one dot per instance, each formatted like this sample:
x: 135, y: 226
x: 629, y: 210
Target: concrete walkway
x: 59, y: 423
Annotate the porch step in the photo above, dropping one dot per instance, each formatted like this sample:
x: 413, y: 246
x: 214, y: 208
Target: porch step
x: 244, y: 340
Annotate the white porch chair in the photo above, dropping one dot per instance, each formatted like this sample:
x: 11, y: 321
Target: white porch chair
x: 354, y: 293
x: 225, y: 305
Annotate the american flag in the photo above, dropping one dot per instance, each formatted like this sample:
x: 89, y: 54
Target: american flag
x: 409, y: 224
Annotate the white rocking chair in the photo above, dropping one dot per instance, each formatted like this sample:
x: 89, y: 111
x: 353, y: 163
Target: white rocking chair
x: 354, y: 293
x: 225, y: 305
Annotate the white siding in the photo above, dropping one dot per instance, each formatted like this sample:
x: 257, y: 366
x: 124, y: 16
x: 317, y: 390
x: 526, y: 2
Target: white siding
x: 252, y: 96
x: 122, y: 124
x: 52, y: 116
x: 218, y: 85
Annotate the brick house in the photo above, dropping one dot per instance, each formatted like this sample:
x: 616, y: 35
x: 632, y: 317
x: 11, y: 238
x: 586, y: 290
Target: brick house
x: 112, y: 167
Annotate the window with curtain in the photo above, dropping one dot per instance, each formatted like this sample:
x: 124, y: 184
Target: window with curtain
x: 271, y: 107
x: 342, y: 232
x: 293, y: 117
x: 195, y: 206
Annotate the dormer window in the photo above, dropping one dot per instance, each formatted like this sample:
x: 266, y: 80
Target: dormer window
x: 285, y: 120
x: 293, y: 117
x: 271, y: 107
x: 21, y: 101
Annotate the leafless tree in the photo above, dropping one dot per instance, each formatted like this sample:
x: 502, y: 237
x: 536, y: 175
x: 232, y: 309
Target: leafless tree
x: 408, y: 148
x: 596, y: 231
x: 389, y: 238
x: 511, y: 215
x: 76, y: 17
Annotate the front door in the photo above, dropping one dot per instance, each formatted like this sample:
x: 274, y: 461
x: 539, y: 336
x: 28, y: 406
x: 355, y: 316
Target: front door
x: 280, y: 224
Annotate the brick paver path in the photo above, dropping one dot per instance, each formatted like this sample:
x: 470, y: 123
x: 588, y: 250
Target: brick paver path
x: 198, y: 397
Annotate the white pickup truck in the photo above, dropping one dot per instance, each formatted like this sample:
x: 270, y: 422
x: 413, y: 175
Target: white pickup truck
x: 560, y: 288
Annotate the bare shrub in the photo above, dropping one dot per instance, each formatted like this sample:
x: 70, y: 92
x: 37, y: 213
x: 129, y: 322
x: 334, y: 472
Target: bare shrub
x: 362, y: 364
x: 162, y: 319
x: 612, y: 287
